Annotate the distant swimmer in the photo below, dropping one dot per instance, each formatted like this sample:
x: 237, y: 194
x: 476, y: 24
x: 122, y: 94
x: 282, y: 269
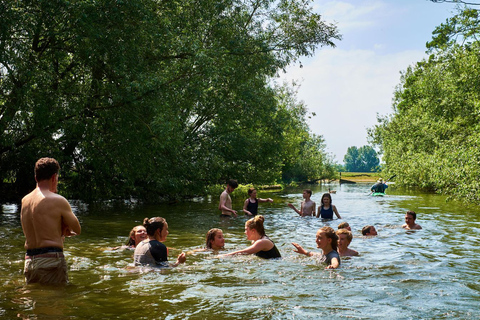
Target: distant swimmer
x: 327, y: 240
x: 369, y: 231
x: 344, y: 225
x: 225, y: 204
x: 250, y: 207
x: 410, y: 224
x: 307, y: 207
x: 344, y: 239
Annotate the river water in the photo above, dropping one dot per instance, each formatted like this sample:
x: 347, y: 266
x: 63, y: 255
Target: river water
x: 430, y: 273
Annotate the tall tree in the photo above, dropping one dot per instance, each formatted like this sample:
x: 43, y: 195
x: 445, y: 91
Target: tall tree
x: 363, y: 159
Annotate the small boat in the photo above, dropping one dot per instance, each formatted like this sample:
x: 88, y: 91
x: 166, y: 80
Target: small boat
x: 378, y: 194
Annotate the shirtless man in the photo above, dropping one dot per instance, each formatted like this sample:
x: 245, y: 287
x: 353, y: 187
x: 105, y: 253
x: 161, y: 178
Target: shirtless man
x: 410, y: 224
x: 46, y: 220
x: 225, y: 204
x: 307, y: 207
x: 344, y: 239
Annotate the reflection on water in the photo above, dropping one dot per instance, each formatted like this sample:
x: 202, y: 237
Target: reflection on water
x: 431, y: 273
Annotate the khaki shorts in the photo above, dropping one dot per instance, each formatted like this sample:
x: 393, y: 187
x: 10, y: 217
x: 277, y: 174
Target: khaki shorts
x: 49, y: 268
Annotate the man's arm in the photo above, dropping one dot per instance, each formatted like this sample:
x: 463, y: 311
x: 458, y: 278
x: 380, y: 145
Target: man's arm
x: 70, y: 224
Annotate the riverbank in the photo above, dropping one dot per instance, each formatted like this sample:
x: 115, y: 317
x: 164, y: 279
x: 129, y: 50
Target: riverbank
x: 360, y: 176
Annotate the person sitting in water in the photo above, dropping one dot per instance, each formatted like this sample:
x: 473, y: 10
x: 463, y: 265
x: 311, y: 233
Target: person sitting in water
x: 410, y: 218
x: 344, y: 225
x: 326, y: 208
x: 250, y: 207
x: 369, y: 231
x: 344, y: 239
x: 379, y: 187
x: 261, y: 246
x: 327, y: 240
x: 307, y: 207
x: 152, y: 251
x: 214, y: 239
x: 136, y: 235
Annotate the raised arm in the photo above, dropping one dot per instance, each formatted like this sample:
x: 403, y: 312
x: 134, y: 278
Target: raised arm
x: 265, y: 200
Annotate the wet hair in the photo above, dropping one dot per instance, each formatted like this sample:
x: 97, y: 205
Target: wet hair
x: 413, y: 214
x: 345, y: 231
x: 326, y: 195
x: 366, y: 230
x: 256, y: 223
x: 211, y: 234
x: 250, y: 191
x: 45, y: 168
x: 330, y: 233
x: 343, y: 225
x: 232, y: 183
x: 131, y: 236
x: 153, y: 224
x: 308, y: 191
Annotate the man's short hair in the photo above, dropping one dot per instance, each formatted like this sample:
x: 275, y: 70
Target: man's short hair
x: 45, y: 168
x: 343, y: 225
x: 366, y: 230
x: 232, y: 183
x: 413, y: 214
x: 345, y: 231
x: 308, y: 191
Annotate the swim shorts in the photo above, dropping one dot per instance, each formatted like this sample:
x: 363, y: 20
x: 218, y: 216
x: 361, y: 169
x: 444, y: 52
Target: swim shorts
x: 47, y: 268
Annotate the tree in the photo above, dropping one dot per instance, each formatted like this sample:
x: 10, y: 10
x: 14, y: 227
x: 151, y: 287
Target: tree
x: 363, y: 159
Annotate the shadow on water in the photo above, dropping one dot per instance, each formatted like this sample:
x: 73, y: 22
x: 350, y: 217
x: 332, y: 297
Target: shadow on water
x: 431, y: 273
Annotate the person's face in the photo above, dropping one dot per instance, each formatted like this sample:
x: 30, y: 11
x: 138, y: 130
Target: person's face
x: 218, y: 242
x: 322, y: 240
x: 326, y: 201
x: 254, y: 194
x: 409, y: 220
x: 230, y: 189
x: 140, y: 235
x: 249, y: 233
x: 373, y: 231
x: 164, y: 233
x: 343, y: 242
x: 305, y: 194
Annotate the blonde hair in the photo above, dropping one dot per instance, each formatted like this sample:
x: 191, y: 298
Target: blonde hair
x: 345, y: 231
x: 330, y: 233
x: 256, y: 223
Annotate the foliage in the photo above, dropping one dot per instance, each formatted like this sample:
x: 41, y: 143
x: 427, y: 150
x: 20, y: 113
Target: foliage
x: 432, y: 138
x: 151, y: 99
x: 363, y: 159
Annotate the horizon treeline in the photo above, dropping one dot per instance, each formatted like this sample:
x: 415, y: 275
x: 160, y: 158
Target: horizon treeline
x: 154, y: 99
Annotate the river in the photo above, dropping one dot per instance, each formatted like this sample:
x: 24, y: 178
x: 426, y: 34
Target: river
x: 430, y: 273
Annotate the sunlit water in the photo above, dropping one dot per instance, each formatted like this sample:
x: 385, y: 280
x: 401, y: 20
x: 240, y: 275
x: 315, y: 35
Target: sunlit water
x: 431, y: 273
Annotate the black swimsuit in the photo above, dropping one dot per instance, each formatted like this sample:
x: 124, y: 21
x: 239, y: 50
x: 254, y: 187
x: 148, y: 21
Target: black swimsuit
x: 270, y: 254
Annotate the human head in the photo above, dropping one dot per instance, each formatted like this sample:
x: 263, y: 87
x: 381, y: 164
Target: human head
x: 153, y: 224
x: 256, y: 224
x: 413, y: 214
x: 344, y: 238
x: 330, y: 234
x: 214, y: 239
x: 137, y: 234
x: 328, y: 196
x: 344, y: 225
x: 380, y: 180
x: 231, y: 185
x: 45, y: 168
x: 251, y: 190
x: 369, y: 231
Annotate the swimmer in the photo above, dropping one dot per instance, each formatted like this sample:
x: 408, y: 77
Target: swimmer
x: 369, y: 231
x: 250, y: 207
x: 137, y: 235
x: 344, y: 239
x: 261, y: 246
x: 307, y: 207
x: 214, y: 239
x: 344, y: 225
x: 152, y: 251
x: 225, y: 204
x: 327, y: 240
x: 326, y: 208
x: 410, y: 224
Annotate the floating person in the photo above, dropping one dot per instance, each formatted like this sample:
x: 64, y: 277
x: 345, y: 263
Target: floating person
x: 326, y: 208
x: 410, y: 218
x: 261, y: 246
x: 344, y: 239
x: 344, y: 225
x: 46, y: 219
x: 379, y: 187
x: 225, y: 204
x: 250, y: 207
x: 369, y: 231
x: 327, y: 240
x: 152, y: 252
x: 307, y: 207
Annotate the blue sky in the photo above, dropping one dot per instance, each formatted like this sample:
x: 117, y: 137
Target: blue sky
x: 348, y: 85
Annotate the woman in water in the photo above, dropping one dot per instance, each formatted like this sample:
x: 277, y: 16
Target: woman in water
x: 327, y: 241
x: 326, y: 208
x: 250, y: 207
x: 261, y: 246
x: 152, y: 251
x: 214, y: 239
x: 137, y: 235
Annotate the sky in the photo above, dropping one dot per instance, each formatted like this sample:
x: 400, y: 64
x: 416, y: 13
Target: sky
x: 347, y: 86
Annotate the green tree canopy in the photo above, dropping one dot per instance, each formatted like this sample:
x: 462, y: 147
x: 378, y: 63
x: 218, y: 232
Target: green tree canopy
x: 363, y: 159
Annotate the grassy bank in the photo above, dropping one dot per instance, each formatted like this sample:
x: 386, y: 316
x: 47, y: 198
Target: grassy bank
x: 361, y: 176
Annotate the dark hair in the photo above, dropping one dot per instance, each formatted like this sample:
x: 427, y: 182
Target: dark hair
x: 328, y: 196
x: 256, y: 223
x: 130, y: 241
x: 366, y: 230
x: 152, y: 224
x: 343, y: 225
x: 413, y: 214
x: 250, y: 191
x: 330, y: 233
x: 308, y: 191
x: 45, y: 168
x: 232, y: 183
x: 211, y: 236
x: 345, y: 231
